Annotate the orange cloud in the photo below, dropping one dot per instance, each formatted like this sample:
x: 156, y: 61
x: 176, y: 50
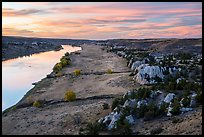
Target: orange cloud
x: 93, y: 20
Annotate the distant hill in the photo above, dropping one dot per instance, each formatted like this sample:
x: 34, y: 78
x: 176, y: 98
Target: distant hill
x: 13, y: 46
x: 172, y: 45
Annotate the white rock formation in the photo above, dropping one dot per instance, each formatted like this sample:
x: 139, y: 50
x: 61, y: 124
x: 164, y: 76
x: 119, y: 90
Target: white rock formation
x: 130, y: 63
x: 136, y: 64
x: 169, y: 97
x: 193, y: 100
x: 178, y: 80
x: 169, y: 110
x: 151, y: 72
x: 183, y: 109
x: 130, y: 119
x: 108, y: 117
x: 128, y: 93
x: 155, y: 93
x: 115, y: 118
x: 130, y: 103
x: 141, y: 102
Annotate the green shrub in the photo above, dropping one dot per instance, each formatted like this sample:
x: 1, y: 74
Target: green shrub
x: 105, y: 106
x: 143, y: 93
x: 141, y: 111
x: 162, y: 109
x: 186, y: 102
x: 109, y: 71
x: 57, y: 67
x: 91, y: 129
x: 176, y: 107
x: 198, y: 98
x: 59, y: 74
x: 123, y: 127
x: 37, y: 104
x: 77, y: 72
x: 70, y: 96
x: 115, y: 103
x: 64, y: 61
x: 149, y: 115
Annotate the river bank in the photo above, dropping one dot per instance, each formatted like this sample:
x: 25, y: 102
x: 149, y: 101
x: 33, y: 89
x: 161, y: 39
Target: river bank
x: 49, y: 119
x: 14, y: 47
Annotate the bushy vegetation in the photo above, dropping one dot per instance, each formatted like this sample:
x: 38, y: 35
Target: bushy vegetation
x: 184, y: 56
x: 37, y: 104
x: 122, y: 127
x: 109, y: 71
x: 143, y: 93
x: 186, y: 101
x: 199, y: 97
x: 115, y: 103
x: 77, y: 72
x: 64, y: 61
x: 105, y: 106
x: 70, y: 96
x: 176, y: 107
x: 57, y: 67
x: 149, y: 115
x: 91, y: 129
x: 59, y: 74
x: 162, y: 108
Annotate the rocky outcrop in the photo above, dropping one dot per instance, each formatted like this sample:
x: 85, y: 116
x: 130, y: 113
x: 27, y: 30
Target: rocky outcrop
x: 150, y: 74
x: 169, y: 97
x: 147, y: 74
x: 132, y: 104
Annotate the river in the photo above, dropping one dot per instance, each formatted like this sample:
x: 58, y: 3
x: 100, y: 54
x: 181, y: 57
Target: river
x: 18, y: 74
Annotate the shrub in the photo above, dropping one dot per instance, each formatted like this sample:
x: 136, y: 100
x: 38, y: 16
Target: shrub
x: 199, y: 98
x: 162, y: 109
x: 109, y: 71
x: 59, y: 74
x: 186, y: 101
x: 77, y: 72
x: 143, y: 93
x: 123, y: 127
x: 115, y: 103
x: 70, y: 96
x: 105, y: 106
x: 37, y: 104
x: 149, y: 115
x: 64, y: 61
x: 57, y: 67
x: 176, y: 107
x: 141, y: 111
x: 91, y: 129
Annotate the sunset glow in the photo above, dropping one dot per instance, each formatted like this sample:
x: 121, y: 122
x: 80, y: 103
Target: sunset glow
x: 89, y: 20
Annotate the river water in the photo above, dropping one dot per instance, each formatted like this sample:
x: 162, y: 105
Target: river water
x: 19, y: 74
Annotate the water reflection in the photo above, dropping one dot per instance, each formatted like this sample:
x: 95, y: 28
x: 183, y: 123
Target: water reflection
x: 19, y: 74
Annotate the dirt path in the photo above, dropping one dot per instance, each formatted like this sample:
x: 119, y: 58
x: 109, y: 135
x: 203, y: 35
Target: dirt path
x: 68, y: 117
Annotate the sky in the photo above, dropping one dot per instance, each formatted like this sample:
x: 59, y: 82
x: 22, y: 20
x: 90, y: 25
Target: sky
x: 102, y: 20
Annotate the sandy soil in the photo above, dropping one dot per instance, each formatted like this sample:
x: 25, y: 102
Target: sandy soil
x: 68, y: 117
x: 61, y: 118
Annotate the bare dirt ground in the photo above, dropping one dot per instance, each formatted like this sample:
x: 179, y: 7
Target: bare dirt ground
x: 68, y: 117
